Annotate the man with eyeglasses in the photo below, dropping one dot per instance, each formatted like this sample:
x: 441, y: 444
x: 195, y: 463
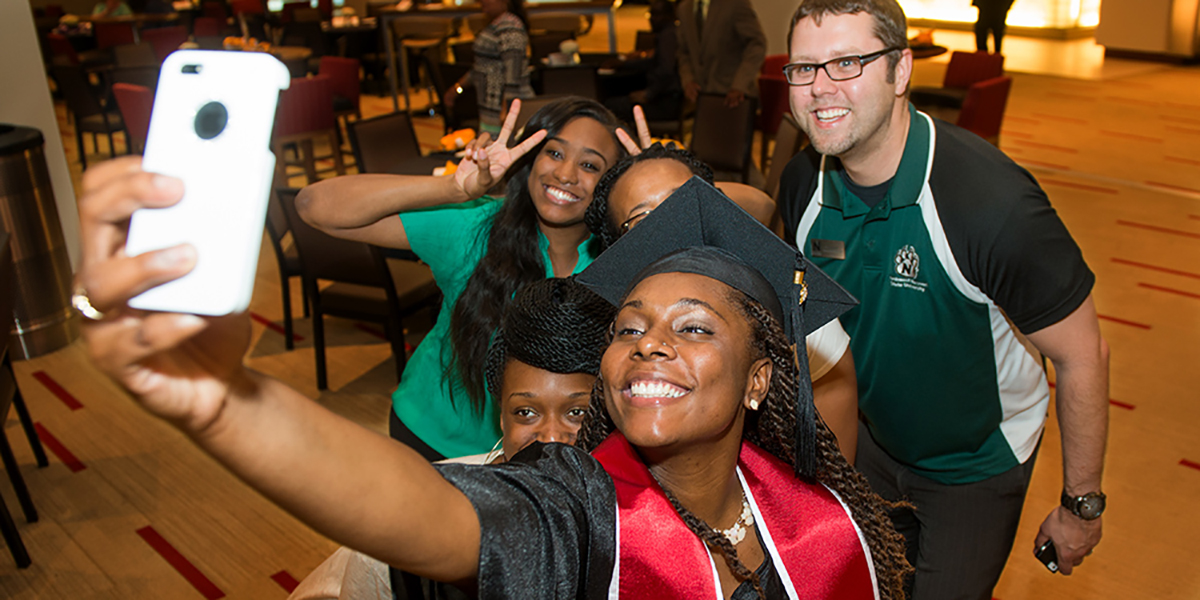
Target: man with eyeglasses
x: 966, y: 278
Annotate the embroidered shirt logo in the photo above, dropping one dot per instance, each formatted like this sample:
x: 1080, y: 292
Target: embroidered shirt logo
x: 908, y: 263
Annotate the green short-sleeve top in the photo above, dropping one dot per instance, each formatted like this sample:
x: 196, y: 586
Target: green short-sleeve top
x: 452, y: 240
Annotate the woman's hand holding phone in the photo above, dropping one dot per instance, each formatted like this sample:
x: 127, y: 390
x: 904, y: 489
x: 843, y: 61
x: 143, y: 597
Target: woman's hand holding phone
x: 180, y: 367
x: 485, y: 162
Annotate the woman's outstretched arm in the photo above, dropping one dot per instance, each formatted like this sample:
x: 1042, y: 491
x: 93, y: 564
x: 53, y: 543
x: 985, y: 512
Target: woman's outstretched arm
x: 364, y: 207
x: 355, y: 486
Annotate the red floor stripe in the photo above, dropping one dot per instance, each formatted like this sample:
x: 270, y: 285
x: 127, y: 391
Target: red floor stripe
x: 1179, y: 105
x: 1047, y: 146
x: 1194, y: 217
x: 1169, y: 290
x: 1124, y: 322
x: 1190, y: 234
x: 1078, y: 186
x: 1130, y: 101
x: 1187, y: 463
x: 1016, y: 134
x: 1022, y: 119
x: 1131, y: 263
x: 46, y: 380
x: 59, y: 450
x: 1039, y: 163
x: 1168, y: 186
x: 273, y: 326
x: 1183, y: 130
x: 1186, y: 161
x: 185, y: 567
x: 371, y: 330
x: 1076, y: 97
x: 286, y: 581
x: 1131, y: 136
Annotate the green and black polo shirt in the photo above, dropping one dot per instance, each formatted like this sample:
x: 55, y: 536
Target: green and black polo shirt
x: 962, y: 255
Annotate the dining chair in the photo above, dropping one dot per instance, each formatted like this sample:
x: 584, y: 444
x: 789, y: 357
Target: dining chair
x: 64, y: 53
x: 789, y: 139
x: 577, y: 80
x: 417, y: 36
x: 135, y: 103
x: 773, y: 102
x: 165, y: 40
x: 965, y: 69
x: 89, y: 115
x: 135, y: 55
x: 388, y: 144
x: 365, y: 285
x: 305, y: 114
x: 529, y: 106
x: 465, y: 112
x: 113, y: 34
x: 213, y: 9
x: 284, y: 245
x: 344, y: 78
x: 983, y: 108
x: 10, y: 395
x: 723, y: 136
x: 645, y: 41
x: 207, y: 26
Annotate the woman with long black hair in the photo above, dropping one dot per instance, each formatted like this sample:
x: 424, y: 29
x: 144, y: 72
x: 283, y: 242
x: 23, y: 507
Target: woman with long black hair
x: 481, y: 250
x: 715, y: 478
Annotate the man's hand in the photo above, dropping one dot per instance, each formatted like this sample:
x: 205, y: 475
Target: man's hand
x: 692, y: 91
x: 450, y: 96
x: 734, y: 98
x: 1074, y: 538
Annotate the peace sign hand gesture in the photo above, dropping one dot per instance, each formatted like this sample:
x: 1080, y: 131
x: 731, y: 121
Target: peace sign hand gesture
x: 643, y: 131
x: 485, y: 162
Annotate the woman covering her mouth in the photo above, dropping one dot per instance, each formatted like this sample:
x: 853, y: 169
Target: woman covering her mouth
x: 714, y: 478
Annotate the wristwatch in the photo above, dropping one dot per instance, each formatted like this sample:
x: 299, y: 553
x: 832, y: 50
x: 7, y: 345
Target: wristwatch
x: 1088, y: 507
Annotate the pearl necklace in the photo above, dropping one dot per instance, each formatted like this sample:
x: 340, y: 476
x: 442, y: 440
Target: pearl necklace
x: 737, y: 533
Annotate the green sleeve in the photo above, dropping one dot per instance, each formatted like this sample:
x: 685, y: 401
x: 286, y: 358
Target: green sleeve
x: 451, y: 239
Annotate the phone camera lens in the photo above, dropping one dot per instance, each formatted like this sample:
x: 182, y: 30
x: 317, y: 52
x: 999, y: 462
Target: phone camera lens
x: 211, y: 120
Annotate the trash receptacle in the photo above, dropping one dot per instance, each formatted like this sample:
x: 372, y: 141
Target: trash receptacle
x: 44, y: 319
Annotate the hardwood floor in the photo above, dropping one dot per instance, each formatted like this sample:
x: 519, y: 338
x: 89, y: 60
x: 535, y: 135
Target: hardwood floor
x: 1114, y: 143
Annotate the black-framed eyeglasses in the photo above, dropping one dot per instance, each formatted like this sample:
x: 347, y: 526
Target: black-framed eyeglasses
x: 838, y: 69
x: 634, y: 220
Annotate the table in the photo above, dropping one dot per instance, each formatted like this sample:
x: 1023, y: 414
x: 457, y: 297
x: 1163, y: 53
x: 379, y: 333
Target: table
x: 919, y: 52
x: 386, y: 16
x: 295, y: 57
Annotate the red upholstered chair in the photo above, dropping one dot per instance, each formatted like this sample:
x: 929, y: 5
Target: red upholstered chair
x: 214, y: 10
x: 343, y: 77
x: 965, y: 69
x: 773, y: 65
x: 248, y: 7
x: 112, y: 34
x: 773, y: 102
x: 305, y: 113
x: 53, y: 11
x: 165, y: 40
x: 326, y: 8
x: 983, y: 108
x: 135, y: 103
x: 64, y: 53
x: 207, y: 27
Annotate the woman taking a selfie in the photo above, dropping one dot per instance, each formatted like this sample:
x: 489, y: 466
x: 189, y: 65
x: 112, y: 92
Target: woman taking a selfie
x: 712, y: 422
x: 481, y: 250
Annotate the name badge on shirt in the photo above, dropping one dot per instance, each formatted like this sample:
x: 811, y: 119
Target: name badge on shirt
x: 835, y: 249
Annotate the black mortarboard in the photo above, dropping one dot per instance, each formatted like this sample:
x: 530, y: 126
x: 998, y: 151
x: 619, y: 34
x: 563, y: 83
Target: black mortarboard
x: 698, y: 215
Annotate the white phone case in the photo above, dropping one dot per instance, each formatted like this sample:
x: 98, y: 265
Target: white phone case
x: 227, y: 177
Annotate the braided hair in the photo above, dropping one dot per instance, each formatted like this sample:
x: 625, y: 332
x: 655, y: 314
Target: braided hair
x: 554, y: 325
x: 597, y: 215
x: 772, y: 428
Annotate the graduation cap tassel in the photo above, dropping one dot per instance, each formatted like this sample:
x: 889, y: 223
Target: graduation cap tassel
x: 806, y: 414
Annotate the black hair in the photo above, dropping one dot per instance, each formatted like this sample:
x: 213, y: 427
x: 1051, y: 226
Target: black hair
x: 773, y: 428
x: 513, y: 258
x: 597, y: 215
x: 517, y: 7
x: 554, y: 325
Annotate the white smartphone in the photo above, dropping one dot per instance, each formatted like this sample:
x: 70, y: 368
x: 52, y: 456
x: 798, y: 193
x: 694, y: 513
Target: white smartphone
x: 211, y: 127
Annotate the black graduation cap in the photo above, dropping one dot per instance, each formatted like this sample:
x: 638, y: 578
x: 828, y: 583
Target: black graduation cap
x: 698, y: 226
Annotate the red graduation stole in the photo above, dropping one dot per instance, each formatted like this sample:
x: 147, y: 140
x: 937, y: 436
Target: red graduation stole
x: 809, y: 533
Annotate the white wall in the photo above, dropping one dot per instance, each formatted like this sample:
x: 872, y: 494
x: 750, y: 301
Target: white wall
x: 25, y: 100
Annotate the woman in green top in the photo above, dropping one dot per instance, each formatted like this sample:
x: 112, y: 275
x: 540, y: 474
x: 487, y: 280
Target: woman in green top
x: 481, y: 251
